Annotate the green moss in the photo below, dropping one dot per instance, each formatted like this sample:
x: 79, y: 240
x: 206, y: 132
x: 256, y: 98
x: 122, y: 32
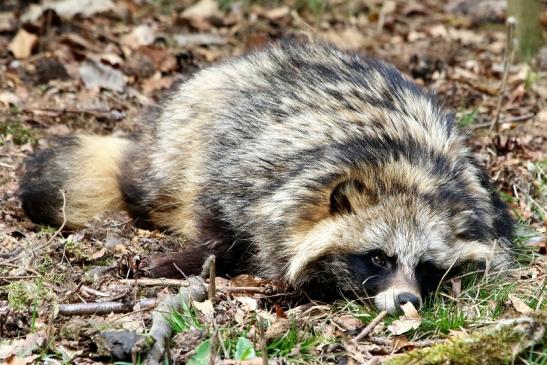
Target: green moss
x: 467, y: 118
x: 22, y: 294
x: 18, y: 132
x: 494, y: 346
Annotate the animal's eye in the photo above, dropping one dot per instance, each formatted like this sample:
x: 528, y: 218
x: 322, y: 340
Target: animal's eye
x: 379, y: 260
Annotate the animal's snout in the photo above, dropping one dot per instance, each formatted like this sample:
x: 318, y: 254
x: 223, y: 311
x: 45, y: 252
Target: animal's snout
x: 404, y: 298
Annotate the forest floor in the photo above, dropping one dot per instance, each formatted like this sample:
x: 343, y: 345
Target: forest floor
x: 96, y: 66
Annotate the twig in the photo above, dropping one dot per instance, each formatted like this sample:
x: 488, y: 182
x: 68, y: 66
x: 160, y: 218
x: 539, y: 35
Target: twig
x: 73, y: 291
x: 263, y: 344
x: 370, y: 327
x: 117, y: 297
x: 8, y: 255
x: 9, y: 278
x: 143, y: 305
x: 108, y: 114
x: 91, y: 291
x: 242, y: 289
x: 214, y: 349
x: 184, y: 283
x: 389, y: 342
x: 160, y: 332
x: 520, y: 118
x: 95, y: 308
x: 212, y: 277
x: 20, y: 267
x: 220, y: 340
x: 205, y: 267
x: 506, y: 63
x: 154, y: 282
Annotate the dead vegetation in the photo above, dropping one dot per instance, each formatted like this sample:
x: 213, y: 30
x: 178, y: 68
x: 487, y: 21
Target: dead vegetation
x: 70, y: 297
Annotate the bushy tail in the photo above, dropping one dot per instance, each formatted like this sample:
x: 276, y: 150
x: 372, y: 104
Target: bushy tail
x: 85, y: 169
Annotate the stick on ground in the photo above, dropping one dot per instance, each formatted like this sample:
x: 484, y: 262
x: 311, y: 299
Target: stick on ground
x: 82, y: 309
x: 212, y: 278
x: 161, y: 331
x: 368, y: 329
x: 263, y: 344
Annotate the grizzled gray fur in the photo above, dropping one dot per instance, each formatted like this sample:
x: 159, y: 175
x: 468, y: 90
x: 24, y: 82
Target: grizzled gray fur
x: 303, y: 162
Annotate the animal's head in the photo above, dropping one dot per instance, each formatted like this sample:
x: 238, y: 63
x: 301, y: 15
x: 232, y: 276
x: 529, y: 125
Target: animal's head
x: 392, y: 246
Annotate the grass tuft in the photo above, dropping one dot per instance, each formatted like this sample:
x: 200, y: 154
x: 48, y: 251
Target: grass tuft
x: 18, y: 132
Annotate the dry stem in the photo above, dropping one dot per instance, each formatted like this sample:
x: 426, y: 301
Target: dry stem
x: 506, y: 63
x: 370, y: 327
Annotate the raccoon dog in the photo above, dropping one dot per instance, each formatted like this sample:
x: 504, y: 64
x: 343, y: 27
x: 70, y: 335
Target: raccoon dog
x: 300, y: 161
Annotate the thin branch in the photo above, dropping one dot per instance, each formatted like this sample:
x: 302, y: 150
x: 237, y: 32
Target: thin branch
x: 519, y: 118
x: 382, y: 341
x: 263, y: 344
x: 11, y: 278
x: 206, y: 267
x: 370, y: 327
x: 506, y: 63
x: 242, y: 289
x: 184, y: 283
x: 104, y: 113
x: 91, y: 291
x: 8, y: 255
x: 161, y: 331
x: 21, y: 267
x: 154, y: 282
x: 80, y: 309
x: 214, y: 348
x: 212, y: 277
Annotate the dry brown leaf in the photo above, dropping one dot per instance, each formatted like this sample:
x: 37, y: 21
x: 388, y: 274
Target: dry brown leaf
x: 8, y: 22
x: 142, y: 35
x: 247, y: 303
x: 208, y: 54
x: 25, y: 346
x: 156, y: 82
x: 199, y: 39
x: 388, y: 7
x: 438, y: 30
x: 248, y: 280
x: 542, y: 116
x: 348, y: 322
x: 69, y: 8
x: 201, y: 10
x: 8, y: 99
x: 278, y: 328
x: 22, y: 44
x: 456, y: 287
x: 519, y: 305
x: 16, y: 360
x: 409, y: 321
x: 349, y: 38
x: 205, y: 308
x: 98, y: 254
x: 277, y: 13
x: 97, y: 75
x: 162, y: 58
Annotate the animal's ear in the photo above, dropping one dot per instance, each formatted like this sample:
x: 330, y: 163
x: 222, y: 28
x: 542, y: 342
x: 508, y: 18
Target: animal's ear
x: 347, y: 196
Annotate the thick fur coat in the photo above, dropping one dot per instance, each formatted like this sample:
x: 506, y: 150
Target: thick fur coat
x: 299, y: 161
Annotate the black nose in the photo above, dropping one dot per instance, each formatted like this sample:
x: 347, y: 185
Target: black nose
x: 408, y: 297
